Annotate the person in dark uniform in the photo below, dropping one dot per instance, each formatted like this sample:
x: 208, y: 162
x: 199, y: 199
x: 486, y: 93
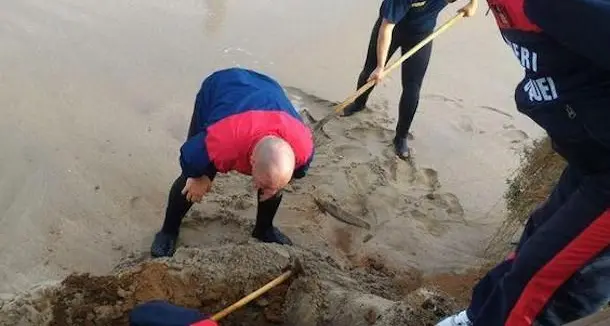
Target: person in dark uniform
x: 242, y: 121
x: 560, y: 270
x: 402, y: 23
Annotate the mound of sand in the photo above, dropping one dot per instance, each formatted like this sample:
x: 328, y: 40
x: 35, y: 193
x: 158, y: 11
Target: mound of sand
x: 325, y: 293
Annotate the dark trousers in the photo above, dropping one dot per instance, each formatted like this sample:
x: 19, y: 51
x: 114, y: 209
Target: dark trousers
x: 561, y: 268
x: 413, y: 71
x: 178, y: 205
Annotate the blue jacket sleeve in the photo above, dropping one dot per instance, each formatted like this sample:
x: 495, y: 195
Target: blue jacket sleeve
x: 302, y: 171
x: 580, y: 25
x: 194, y: 158
x: 395, y: 10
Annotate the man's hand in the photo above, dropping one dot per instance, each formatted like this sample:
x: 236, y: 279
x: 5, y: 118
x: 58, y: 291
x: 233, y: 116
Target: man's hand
x: 377, y: 75
x: 196, y: 187
x: 470, y: 9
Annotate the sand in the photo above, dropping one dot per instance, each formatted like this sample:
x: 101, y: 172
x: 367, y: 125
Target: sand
x: 324, y: 293
x: 95, y: 100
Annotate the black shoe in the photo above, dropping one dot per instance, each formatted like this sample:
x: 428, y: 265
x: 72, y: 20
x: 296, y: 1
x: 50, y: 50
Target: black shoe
x: 272, y: 235
x: 352, y: 109
x: 164, y: 245
x: 401, y: 147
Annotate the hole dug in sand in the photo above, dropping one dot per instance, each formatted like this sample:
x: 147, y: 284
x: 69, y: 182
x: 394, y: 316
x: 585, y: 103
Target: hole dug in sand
x: 211, y: 279
x: 107, y: 300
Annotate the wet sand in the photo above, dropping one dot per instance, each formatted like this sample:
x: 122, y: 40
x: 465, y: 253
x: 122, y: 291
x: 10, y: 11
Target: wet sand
x: 95, y: 100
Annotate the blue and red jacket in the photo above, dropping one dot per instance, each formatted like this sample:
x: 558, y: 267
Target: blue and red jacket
x: 564, y: 47
x: 234, y: 109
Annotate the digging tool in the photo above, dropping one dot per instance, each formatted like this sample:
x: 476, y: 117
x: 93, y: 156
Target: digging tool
x: 295, y: 268
x: 340, y: 107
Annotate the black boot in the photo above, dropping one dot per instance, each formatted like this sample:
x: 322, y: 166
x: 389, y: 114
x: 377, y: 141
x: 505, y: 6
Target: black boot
x: 352, y: 109
x: 265, y: 213
x: 401, y: 147
x: 164, y: 245
x: 272, y: 235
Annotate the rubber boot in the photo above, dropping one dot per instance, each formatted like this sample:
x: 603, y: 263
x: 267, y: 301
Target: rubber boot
x: 164, y: 245
x: 265, y: 213
x: 401, y: 147
x: 352, y: 109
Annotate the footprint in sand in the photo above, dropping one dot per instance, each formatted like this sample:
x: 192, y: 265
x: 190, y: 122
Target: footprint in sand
x: 450, y: 203
x: 367, y: 130
x: 353, y: 153
x: 367, y: 176
x: 430, y: 178
x: 465, y: 124
x: 513, y: 135
x: 436, y: 212
x: 437, y: 97
x: 382, y: 106
x: 400, y: 170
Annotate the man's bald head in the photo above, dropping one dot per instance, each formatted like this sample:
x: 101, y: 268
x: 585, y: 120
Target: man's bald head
x: 272, y: 165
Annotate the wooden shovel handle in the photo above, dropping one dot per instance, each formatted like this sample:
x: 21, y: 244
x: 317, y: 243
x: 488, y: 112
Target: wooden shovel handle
x: 244, y: 301
x: 339, y: 108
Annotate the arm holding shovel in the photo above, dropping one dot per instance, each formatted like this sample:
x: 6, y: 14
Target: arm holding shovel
x: 393, y: 12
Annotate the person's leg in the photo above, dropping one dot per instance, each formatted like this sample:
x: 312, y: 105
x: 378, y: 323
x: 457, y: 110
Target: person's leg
x: 567, y: 184
x: 164, y: 244
x: 265, y: 213
x: 177, y: 207
x: 165, y: 240
x: 413, y: 72
x: 571, y: 243
x: 562, y: 246
x: 585, y: 293
x: 369, y: 66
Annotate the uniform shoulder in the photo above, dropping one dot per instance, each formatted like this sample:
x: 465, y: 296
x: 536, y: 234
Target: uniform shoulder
x: 395, y: 10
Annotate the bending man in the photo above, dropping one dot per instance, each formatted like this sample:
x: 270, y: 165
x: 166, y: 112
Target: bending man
x: 242, y: 122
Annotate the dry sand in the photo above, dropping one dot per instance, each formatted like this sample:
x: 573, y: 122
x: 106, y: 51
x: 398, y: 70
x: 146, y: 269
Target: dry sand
x: 95, y: 99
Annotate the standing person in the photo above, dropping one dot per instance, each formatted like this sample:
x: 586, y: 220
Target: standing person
x: 242, y: 121
x: 560, y: 271
x: 402, y: 23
